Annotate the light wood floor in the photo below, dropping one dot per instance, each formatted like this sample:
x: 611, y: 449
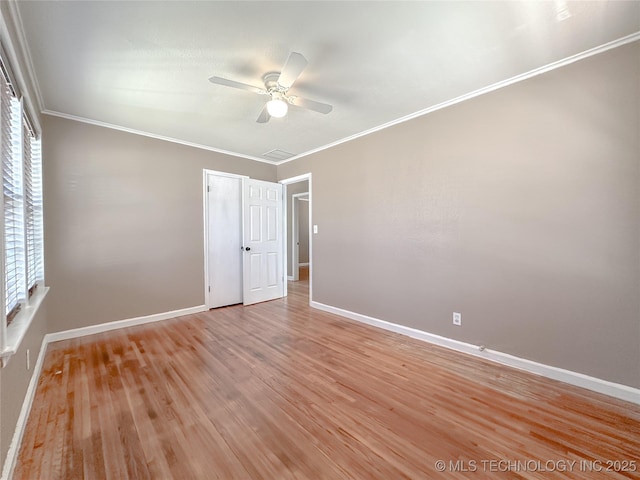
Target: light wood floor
x: 303, y: 273
x: 280, y: 391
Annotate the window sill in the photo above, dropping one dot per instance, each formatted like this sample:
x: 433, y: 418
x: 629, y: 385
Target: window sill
x: 18, y: 328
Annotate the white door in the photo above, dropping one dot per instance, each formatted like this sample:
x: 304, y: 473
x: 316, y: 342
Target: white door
x: 224, y: 239
x: 263, y: 275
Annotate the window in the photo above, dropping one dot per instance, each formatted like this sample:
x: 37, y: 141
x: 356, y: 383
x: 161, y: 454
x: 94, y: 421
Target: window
x: 33, y: 208
x: 21, y: 239
x: 13, y: 206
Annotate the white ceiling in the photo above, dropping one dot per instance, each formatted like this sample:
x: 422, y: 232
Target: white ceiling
x: 144, y: 65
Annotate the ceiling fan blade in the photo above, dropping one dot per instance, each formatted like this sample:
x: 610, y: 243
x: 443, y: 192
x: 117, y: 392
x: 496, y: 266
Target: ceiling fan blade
x: 264, y: 116
x: 234, y: 84
x: 296, y: 63
x: 312, y: 105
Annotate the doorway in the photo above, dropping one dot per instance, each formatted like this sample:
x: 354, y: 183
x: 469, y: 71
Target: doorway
x: 300, y: 234
x: 298, y: 269
x: 243, y: 240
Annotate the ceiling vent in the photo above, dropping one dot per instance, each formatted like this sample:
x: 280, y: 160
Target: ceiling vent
x: 277, y: 155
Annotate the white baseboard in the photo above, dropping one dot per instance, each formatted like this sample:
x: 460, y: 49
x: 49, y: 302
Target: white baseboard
x: 303, y: 264
x: 14, y: 447
x: 623, y: 392
x: 290, y: 278
x: 129, y: 322
x: 12, y: 453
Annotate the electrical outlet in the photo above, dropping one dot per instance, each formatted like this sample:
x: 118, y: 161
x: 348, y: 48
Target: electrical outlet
x: 457, y: 319
x: 28, y: 360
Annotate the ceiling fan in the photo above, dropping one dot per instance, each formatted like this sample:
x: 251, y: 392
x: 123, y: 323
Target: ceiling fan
x: 277, y: 86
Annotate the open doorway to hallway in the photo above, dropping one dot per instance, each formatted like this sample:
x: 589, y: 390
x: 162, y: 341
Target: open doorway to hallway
x: 298, y: 232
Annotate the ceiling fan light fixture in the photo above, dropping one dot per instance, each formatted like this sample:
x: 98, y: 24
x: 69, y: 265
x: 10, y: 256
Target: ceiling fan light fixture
x: 277, y: 106
x: 277, y: 85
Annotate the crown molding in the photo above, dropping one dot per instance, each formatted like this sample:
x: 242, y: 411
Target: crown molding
x: 476, y: 93
x: 24, y: 50
x: 153, y: 135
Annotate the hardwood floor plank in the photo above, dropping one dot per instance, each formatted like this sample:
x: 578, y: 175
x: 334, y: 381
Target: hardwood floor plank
x: 281, y: 391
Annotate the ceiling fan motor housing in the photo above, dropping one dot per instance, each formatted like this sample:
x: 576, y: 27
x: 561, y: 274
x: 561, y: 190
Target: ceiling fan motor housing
x: 274, y: 89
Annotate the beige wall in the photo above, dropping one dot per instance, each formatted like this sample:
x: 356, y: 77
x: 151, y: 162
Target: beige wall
x: 123, y: 222
x: 520, y: 209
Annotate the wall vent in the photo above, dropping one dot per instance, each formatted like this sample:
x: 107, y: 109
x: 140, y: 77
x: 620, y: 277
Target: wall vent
x: 277, y: 154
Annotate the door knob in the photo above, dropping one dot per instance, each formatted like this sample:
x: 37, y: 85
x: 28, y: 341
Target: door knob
x: 245, y: 248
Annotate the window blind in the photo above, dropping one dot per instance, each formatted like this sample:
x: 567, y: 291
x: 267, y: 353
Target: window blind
x: 32, y: 206
x: 13, y: 208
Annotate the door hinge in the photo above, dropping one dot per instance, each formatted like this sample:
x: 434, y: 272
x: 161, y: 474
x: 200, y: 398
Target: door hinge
x: 208, y: 188
x: 209, y: 287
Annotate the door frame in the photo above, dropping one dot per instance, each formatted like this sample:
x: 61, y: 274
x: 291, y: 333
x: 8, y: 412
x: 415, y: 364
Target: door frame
x: 284, y: 182
x: 289, y: 181
x: 205, y: 218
